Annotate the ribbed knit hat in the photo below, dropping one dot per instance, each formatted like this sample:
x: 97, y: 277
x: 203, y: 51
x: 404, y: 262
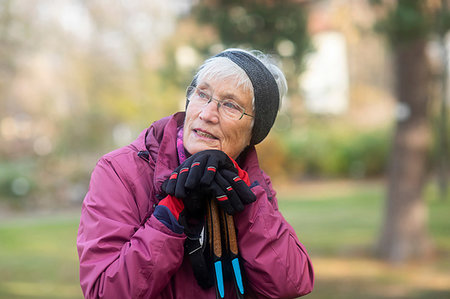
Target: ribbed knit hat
x: 265, y: 90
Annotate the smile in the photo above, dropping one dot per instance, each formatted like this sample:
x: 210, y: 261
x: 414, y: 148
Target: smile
x: 204, y: 134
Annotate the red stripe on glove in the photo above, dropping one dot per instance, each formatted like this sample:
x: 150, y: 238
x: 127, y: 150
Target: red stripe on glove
x: 241, y: 173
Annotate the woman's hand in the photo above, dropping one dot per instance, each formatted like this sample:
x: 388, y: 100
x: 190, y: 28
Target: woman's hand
x: 197, y: 171
x: 210, y: 173
x: 231, y: 191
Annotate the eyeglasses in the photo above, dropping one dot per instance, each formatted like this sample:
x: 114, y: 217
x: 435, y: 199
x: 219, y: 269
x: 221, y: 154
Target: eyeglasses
x: 226, y: 107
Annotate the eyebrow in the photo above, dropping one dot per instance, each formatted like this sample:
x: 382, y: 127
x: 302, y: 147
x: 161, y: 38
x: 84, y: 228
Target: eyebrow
x: 203, y: 83
x: 228, y: 95
x: 233, y: 97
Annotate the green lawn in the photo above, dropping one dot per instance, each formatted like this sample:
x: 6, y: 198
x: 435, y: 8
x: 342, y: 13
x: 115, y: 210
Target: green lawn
x: 329, y: 224
x: 38, y: 256
x: 339, y: 227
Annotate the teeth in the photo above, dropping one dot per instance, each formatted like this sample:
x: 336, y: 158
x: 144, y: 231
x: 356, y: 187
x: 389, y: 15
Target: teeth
x: 205, y: 135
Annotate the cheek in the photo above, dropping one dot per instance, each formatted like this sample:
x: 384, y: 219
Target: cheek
x: 190, y: 116
x: 187, y: 123
x: 245, y: 131
x: 239, y: 137
x: 246, y: 137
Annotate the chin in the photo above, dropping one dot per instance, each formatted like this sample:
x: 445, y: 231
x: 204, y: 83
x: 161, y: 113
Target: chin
x: 200, y: 147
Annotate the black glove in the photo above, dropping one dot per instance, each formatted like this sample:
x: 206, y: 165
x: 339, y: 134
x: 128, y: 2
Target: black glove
x: 198, y: 170
x: 230, y: 191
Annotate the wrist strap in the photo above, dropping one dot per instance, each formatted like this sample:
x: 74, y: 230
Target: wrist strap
x: 195, y: 248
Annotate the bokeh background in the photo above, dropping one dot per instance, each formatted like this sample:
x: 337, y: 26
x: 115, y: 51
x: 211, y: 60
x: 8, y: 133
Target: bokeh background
x: 359, y: 154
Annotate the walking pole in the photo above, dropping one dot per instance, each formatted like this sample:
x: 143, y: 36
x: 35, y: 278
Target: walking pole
x: 232, y: 247
x: 216, y: 243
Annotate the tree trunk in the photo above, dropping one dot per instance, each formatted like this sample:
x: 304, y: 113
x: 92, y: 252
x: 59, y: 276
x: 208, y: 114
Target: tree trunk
x: 404, y: 235
x: 443, y: 135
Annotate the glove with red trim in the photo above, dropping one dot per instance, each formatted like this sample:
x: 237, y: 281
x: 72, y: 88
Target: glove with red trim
x: 232, y: 191
x: 210, y: 173
x: 168, y: 211
x: 172, y: 212
x: 194, y: 174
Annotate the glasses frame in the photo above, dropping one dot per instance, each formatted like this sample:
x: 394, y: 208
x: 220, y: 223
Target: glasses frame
x: 189, y: 93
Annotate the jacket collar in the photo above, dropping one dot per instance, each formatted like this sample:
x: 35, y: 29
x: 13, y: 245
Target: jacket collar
x: 161, y: 143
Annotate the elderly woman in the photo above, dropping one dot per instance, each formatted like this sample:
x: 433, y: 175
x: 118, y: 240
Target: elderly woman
x: 147, y: 200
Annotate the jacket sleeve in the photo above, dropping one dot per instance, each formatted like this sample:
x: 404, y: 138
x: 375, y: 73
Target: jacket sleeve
x: 276, y: 263
x: 120, y: 257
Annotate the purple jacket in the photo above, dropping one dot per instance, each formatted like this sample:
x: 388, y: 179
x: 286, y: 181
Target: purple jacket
x: 125, y: 252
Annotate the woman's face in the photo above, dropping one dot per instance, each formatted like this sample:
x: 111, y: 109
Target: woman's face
x: 205, y: 128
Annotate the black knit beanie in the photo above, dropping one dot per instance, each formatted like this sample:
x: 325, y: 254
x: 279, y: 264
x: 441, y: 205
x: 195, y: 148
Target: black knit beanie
x: 265, y: 90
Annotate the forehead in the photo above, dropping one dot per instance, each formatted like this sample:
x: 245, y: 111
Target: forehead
x: 221, y: 68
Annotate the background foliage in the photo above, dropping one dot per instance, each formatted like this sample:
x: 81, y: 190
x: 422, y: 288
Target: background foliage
x: 81, y: 78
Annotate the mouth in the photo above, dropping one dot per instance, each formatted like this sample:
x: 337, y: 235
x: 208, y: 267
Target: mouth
x: 204, y: 134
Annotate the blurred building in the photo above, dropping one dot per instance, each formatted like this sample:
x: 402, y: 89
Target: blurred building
x: 324, y: 84
x: 350, y: 71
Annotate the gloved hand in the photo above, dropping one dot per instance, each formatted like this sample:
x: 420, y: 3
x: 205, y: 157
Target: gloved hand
x: 232, y: 191
x: 168, y: 211
x: 206, y: 174
x: 173, y: 213
x: 197, y: 170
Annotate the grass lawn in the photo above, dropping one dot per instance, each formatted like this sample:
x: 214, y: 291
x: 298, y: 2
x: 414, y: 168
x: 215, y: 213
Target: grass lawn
x: 337, y: 222
x: 38, y: 257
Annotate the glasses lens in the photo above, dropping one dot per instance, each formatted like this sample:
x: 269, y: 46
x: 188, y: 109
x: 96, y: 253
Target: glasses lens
x: 226, y: 108
x: 190, y: 92
x: 231, y: 109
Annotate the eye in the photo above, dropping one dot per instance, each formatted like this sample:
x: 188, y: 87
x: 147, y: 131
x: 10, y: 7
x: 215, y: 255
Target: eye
x: 203, y: 94
x: 231, y: 105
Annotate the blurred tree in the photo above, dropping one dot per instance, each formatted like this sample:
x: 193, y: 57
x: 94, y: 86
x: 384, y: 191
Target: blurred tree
x: 443, y: 19
x: 77, y: 79
x: 16, y: 40
x: 408, y: 25
x: 277, y: 27
x: 7, y: 63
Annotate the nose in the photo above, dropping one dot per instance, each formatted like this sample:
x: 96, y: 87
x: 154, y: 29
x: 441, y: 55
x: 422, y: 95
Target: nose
x: 210, y: 112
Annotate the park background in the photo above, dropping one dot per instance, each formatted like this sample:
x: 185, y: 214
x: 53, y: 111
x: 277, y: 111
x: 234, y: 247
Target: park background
x: 358, y: 154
